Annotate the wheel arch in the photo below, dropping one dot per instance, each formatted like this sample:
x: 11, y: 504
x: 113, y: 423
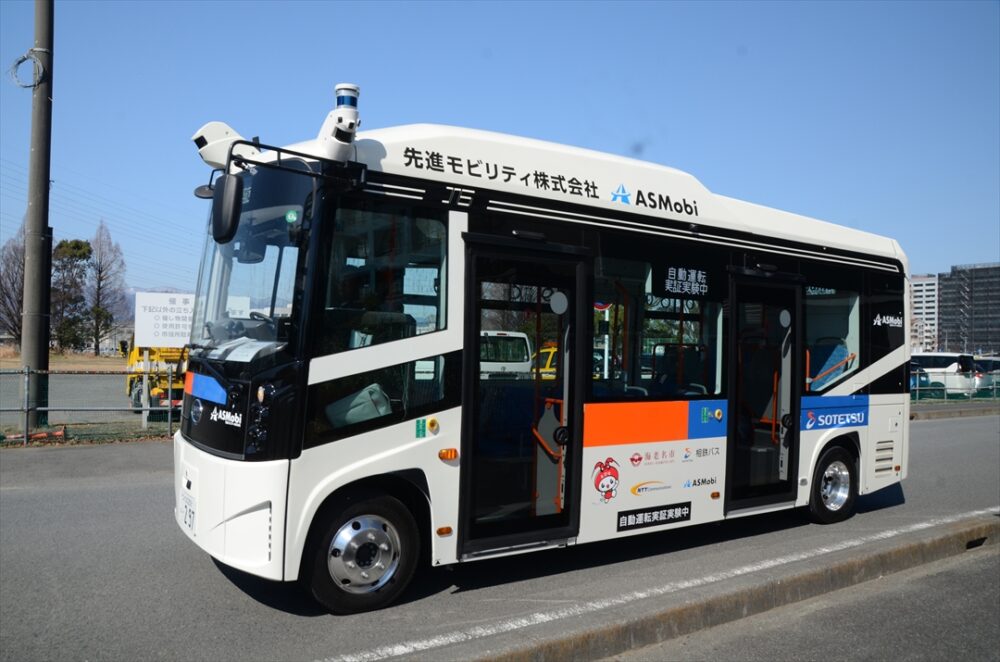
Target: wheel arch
x: 849, y: 441
x: 409, y: 486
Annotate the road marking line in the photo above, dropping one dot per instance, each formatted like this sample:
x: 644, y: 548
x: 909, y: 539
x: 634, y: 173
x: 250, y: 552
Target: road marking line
x: 538, y: 618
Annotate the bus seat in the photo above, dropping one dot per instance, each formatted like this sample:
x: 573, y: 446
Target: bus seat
x: 366, y: 404
x: 825, y: 355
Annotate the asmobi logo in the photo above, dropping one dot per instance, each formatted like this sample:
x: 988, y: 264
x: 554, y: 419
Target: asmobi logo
x: 838, y: 420
x: 654, y: 200
x: 889, y: 320
x: 227, y: 417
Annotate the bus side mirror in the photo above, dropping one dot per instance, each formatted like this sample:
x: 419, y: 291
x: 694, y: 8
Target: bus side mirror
x: 226, y: 205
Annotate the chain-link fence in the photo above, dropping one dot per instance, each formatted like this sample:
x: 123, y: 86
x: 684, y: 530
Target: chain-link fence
x: 88, y: 405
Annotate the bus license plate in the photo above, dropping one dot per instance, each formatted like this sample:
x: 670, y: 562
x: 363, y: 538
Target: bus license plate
x: 187, y: 511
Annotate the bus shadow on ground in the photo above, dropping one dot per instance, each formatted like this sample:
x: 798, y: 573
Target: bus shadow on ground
x: 884, y: 498
x: 474, y: 576
x: 283, y: 596
x: 290, y: 598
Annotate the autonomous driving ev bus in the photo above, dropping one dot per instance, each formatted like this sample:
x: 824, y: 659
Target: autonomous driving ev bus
x: 705, y: 358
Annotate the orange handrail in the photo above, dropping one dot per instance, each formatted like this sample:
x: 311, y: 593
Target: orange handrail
x: 808, y: 378
x: 850, y: 357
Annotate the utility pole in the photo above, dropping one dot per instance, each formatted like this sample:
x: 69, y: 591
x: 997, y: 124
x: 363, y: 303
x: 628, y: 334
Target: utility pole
x: 37, y: 233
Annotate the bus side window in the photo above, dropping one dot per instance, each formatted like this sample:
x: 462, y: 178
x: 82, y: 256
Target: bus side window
x: 833, y: 336
x: 663, y: 338
x: 384, y: 277
x: 377, y: 398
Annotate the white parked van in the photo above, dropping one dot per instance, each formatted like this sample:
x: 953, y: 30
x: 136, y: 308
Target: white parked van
x: 954, y: 371
x: 504, y: 355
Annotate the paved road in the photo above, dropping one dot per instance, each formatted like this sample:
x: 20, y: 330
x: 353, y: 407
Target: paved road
x: 74, y: 391
x: 94, y: 567
x: 940, y: 611
x: 68, y: 391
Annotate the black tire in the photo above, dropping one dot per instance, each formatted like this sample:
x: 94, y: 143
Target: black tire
x: 364, y: 556
x: 135, y: 397
x: 835, y: 486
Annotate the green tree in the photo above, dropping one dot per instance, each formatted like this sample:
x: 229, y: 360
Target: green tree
x: 69, y: 314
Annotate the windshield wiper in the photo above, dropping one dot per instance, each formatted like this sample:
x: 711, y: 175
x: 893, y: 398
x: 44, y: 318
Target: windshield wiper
x: 215, y: 372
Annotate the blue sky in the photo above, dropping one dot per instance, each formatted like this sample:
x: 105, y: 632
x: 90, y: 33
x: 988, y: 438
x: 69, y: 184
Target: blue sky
x: 880, y: 116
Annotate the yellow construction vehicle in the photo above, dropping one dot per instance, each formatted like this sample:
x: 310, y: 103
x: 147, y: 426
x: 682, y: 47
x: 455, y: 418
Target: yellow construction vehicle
x: 165, y: 377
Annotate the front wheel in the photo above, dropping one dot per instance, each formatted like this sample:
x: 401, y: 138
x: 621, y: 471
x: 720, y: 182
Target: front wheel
x: 365, y: 557
x: 834, y: 487
x: 135, y: 397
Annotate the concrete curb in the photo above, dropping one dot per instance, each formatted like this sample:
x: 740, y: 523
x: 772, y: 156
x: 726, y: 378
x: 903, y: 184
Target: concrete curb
x: 911, y: 551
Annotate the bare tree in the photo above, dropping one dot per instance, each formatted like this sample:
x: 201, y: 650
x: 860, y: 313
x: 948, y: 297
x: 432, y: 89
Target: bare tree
x: 12, y: 285
x: 106, y: 287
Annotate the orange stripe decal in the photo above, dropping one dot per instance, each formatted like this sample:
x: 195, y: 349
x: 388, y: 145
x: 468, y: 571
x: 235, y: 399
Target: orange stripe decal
x: 614, y: 423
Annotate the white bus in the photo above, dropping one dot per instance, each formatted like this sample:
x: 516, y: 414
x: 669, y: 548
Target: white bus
x: 752, y: 360
x: 954, y: 371
x: 504, y: 354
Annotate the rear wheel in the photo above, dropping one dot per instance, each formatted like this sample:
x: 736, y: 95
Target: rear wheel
x: 365, y: 556
x: 834, y: 487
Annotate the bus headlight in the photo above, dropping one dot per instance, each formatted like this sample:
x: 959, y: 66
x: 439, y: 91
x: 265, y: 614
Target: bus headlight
x: 265, y: 393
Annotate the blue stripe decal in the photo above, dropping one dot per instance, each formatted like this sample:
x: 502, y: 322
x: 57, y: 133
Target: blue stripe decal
x: 347, y: 101
x: 707, y: 418
x: 205, y: 387
x: 821, y: 413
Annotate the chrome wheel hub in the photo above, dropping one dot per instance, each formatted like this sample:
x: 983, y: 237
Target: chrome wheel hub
x: 836, y: 485
x: 364, y: 554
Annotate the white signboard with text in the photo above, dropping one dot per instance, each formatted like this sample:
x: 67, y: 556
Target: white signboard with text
x: 163, y: 319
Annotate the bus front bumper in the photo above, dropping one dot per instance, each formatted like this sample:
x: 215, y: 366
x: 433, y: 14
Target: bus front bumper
x: 233, y: 510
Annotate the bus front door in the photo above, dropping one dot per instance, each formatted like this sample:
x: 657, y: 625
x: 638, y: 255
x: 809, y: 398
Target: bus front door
x: 765, y: 338
x: 521, y: 429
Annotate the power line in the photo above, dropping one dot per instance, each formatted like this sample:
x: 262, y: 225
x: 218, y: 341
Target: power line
x: 90, y: 214
x: 73, y: 189
x: 73, y: 217
x: 60, y: 169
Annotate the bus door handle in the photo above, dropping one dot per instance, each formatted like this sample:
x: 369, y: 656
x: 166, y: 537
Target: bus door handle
x: 787, y: 421
x: 561, y: 435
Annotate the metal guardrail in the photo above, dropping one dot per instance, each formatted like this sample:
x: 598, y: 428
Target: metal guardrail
x: 935, y: 390
x: 146, y: 409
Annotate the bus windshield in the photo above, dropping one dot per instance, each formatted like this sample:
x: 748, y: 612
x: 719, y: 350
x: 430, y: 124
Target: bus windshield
x: 247, y: 286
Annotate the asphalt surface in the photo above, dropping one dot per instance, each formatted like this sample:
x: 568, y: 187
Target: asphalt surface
x: 92, y: 565
x: 69, y: 391
x: 938, y: 611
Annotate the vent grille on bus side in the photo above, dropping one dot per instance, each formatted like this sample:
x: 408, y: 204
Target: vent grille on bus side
x: 884, y: 456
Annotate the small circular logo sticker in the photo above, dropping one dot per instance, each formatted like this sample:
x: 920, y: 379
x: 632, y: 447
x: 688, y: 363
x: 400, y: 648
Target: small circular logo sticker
x: 291, y: 216
x: 196, y: 410
x: 718, y: 414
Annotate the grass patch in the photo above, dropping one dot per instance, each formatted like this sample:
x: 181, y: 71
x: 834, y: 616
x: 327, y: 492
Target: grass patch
x: 11, y: 360
x: 84, y: 433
